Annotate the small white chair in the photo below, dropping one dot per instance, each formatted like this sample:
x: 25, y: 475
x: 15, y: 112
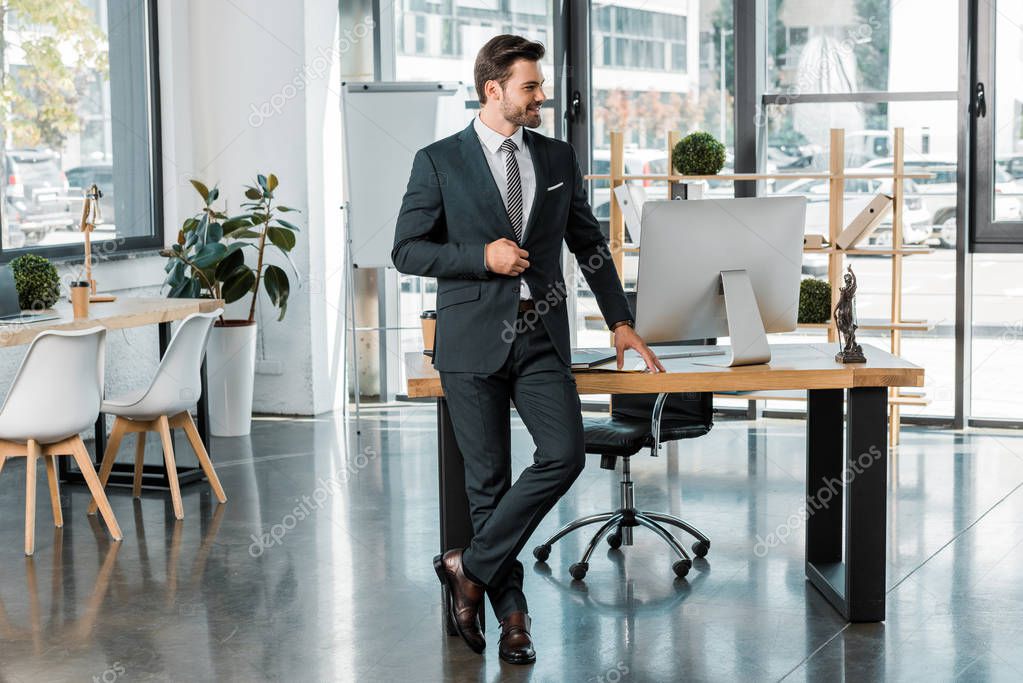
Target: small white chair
x: 164, y: 405
x: 55, y: 396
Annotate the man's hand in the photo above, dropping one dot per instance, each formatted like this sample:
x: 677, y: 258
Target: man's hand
x: 626, y: 338
x: 505, y: 257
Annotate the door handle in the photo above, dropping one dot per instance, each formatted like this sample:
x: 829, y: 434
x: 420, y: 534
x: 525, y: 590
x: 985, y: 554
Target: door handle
x: 574, y: 108
x: 979, y: 102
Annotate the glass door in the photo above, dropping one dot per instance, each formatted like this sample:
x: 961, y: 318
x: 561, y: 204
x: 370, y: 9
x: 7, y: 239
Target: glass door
x: 997, y: 108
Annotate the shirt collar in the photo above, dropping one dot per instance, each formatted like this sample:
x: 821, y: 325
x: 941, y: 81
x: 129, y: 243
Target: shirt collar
x: 491, y: 138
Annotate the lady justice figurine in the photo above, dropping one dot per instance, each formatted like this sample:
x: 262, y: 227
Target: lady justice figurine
x: 845, y: 321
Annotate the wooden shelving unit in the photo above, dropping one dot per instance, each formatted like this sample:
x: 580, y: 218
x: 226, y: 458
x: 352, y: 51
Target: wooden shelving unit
x: 836, y: 175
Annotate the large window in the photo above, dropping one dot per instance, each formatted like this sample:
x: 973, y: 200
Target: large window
x: 861, y: 65
x: 642, y: 87
x: 79, y: 110
x: 437, y: 40
x: 866, y: 66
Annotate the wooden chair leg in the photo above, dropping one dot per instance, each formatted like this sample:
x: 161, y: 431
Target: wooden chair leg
x: 204, y: 457
x: 51, y: 477
x: 89, y: 474
x: 140, y: 457
x: 30, y: 496
x: 172, y: 468
x: 109, y: 456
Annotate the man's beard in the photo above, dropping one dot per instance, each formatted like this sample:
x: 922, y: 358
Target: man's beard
x: 521, y: 116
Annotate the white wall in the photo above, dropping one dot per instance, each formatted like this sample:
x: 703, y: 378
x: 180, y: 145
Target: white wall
x: 255, y: 88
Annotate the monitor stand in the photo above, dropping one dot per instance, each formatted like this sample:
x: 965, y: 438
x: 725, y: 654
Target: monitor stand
x: 745, y: 325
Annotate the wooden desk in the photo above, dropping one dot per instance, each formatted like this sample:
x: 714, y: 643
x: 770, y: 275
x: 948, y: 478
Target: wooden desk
x: 123, y: 313
x: 846, y: 453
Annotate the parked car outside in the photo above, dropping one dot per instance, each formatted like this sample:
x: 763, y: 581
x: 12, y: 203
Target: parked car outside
x: 80, y: 178
x: 916, y: 225
x: 1013, y: 165
x: 939, y: 193
x: 36, y: 191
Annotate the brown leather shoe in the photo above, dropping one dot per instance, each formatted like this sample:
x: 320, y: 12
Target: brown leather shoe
x: 466, y: 598
x: 516, y: 646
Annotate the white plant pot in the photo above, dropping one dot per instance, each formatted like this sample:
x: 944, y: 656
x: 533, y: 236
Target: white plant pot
x: 230, y: 370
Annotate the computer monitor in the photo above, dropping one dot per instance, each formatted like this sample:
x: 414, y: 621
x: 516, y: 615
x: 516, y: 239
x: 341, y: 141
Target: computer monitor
x: 721, y: 267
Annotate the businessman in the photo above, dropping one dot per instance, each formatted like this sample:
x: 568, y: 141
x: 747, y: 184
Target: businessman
x: 485, y: 212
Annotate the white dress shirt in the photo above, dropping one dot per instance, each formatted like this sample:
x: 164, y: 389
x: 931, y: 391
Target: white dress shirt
x: 491, y: 142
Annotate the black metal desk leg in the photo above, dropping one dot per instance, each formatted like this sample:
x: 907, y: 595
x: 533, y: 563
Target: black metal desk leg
x: 824, y: 426
x: 455, y: 522
x: 100, y: 438
x: 855, y: 477
x: 866, y: 503
x: 202, y: 411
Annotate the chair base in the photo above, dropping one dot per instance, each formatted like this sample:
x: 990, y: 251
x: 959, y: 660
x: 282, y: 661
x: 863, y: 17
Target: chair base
x: 622, y: 521
x: 163, y: 424
x: 31, y: 451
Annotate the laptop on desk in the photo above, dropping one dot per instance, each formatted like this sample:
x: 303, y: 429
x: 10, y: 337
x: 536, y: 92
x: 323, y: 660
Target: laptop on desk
x: 10, y: 310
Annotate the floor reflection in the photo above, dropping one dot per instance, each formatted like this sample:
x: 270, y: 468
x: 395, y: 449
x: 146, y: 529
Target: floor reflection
x: 318, y: 568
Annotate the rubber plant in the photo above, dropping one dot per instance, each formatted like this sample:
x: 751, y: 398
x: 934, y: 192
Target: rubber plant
x: 208, y: 260
x: 194, y: 260
x: 260, y: 227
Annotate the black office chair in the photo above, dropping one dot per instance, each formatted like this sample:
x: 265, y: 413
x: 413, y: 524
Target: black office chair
x: 634, y: 420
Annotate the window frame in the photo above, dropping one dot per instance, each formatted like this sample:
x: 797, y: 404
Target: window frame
x: 987, y: 235
x: 139, y: 243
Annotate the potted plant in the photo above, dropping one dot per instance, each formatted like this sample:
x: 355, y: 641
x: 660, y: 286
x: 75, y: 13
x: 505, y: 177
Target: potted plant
x: 209, y: 260
x: 698, y: 153
x: 814, y: 301
x: 37, y: 282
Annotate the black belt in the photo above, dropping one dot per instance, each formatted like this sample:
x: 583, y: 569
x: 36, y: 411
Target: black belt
x: 526, y: 305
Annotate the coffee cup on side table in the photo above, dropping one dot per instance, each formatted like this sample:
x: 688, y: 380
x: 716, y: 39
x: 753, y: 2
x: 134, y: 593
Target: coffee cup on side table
x: 80, y: 291
x: 428, y: 319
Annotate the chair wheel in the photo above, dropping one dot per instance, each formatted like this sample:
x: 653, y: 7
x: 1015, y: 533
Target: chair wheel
x: 578, y: 570
x: 681, y: 568
x: 700, y: 548
x: 542, y: 552
x: 614, y: 540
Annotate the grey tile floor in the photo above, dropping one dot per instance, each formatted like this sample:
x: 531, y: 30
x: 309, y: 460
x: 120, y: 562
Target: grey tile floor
x: 318, y: 568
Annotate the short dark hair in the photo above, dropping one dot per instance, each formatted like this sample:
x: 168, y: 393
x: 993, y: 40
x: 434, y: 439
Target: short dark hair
x: 495, y: 59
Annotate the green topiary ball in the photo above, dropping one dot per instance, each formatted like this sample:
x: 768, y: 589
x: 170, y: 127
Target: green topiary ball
x: 814, y: 301
x: 698, y: 153
x: 37, y: 282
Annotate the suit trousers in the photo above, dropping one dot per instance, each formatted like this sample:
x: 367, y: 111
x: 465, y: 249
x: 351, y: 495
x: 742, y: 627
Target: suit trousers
x: 504, y: 515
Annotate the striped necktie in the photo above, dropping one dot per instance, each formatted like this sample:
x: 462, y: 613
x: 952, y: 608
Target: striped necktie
x: 514, y: 204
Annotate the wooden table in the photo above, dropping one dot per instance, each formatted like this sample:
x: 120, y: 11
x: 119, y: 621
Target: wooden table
x: 846, y: 453
x: 125, y: 312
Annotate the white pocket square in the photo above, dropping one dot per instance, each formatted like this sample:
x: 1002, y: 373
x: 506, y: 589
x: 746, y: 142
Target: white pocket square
x: 554, y: 187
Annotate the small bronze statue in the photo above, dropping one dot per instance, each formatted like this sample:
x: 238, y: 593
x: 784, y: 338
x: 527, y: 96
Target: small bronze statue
x: 845, y: 321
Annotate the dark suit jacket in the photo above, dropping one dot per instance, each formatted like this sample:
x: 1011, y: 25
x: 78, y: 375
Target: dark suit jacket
x: 452, y: 208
